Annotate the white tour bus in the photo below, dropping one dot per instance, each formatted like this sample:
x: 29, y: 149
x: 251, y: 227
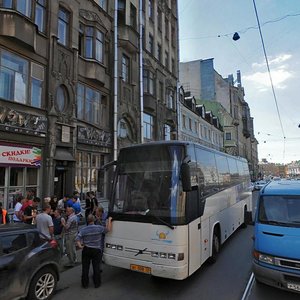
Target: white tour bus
x: 173, y: 205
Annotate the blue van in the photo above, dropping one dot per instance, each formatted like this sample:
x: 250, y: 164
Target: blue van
x: 276, y: 253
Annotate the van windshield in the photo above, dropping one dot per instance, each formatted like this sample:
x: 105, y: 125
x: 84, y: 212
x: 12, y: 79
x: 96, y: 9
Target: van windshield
x: 280, y: 210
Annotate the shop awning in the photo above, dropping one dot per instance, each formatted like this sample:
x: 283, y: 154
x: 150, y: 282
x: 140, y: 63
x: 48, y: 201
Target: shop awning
x: 63, y: 154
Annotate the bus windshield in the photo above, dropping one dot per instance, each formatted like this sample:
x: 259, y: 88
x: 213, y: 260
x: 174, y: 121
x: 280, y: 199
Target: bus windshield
x: 147, y: 183
x: 280, y: 210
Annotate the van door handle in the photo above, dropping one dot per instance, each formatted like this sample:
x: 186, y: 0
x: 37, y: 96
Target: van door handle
x: 199, y: 226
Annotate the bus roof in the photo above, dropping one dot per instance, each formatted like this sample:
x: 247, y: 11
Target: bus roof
x: 283, y: 187
x: 186, y: 143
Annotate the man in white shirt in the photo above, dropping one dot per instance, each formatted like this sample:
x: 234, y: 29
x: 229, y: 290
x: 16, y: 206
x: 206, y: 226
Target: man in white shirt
x: 44, y: 222
x: 17, y: 218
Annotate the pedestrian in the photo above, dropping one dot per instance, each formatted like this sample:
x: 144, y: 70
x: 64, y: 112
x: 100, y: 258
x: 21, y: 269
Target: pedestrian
x: 53, y: 203
x: 44, y: 222
x: 30, y: 211
x: 94, y: 202
x: 70, y: 232
x: 62, y: 203
x: 58, y: 230
x: 18, y: 214
x: 89, y: 239
x: 4, y: 218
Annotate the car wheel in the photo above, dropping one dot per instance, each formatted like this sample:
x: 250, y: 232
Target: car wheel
x: 215, y: 247
x: 43, y: 284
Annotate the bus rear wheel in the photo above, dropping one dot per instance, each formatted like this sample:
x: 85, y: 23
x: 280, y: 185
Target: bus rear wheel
x: 215, y: 247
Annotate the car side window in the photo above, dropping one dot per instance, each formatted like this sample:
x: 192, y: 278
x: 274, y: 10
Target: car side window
x: 12, y: 243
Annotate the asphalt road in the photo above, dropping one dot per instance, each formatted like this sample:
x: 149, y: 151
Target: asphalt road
x: 226, y: 279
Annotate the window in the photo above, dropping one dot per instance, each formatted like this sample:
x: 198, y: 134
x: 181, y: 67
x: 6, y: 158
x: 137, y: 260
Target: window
x: 24, y: 7
x: 159, y: 19
x: 87, y: 166
x: 91, y: 42
x: 132, y: 16
x: 161, y: 92
x: 102, y: 4
x: 170, y: 99
x: 148, y: 78
x: 166, y: 28
x: 88, y: 104
x: 173, y: 37
x: 228, y: 136
x: 40, y: 14
x: 159, y: 53
x: 173, y: 66
x: 190, y: 124
x: 12, y: 243
x: 148, y: 127
x: 167, y: 60
x: 121, y: 12
x: 20, y: 80
x: 167, y: 132
x: 6, y: 3
x: 196, y: 127
x: 125, y: 68
x: 151, y: 44
x: 184, y: 121
x: 63, y: 26
x: 151, y: 9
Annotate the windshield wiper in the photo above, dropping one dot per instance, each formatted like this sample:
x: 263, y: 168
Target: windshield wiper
x: 159, y: 219
x: 278, y: 223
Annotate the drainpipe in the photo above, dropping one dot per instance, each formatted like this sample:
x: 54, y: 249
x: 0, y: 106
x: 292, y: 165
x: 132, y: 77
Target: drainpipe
x: 115, y: 125
x: 141, y: 68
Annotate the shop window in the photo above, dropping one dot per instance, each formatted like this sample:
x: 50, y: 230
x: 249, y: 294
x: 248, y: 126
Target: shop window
x: 31, y: 176
x: 16, y: 176
x: 2, y: 177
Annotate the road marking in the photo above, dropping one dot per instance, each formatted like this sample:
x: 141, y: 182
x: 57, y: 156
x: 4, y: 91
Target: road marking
x: 248, y: 287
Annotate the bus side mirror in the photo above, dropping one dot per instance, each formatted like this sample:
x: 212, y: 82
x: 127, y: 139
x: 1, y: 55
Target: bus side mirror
x: 185, y: 173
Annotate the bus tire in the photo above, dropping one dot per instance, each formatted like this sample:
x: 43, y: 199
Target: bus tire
x: 244, y: 224
x: 215, y: 247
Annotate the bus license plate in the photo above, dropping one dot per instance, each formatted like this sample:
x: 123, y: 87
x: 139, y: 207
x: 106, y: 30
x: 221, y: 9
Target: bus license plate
x: 293, y: 286
x: 141, y: 269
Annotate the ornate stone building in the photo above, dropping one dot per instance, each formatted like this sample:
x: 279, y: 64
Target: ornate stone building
x: 57, y: 89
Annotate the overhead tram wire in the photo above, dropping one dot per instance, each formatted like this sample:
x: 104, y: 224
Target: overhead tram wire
x: 270, y: 76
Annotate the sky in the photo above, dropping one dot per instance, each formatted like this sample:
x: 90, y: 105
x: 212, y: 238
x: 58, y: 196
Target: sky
x: 206, y: 28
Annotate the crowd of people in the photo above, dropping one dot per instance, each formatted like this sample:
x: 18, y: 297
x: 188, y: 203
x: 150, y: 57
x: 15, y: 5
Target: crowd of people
x: 59, y: 220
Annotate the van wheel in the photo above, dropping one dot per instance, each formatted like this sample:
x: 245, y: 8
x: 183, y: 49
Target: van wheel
x: 215, y: 247
x: 43, y: 285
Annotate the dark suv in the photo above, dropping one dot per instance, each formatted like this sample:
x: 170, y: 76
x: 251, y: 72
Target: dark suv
x: 29, y: 265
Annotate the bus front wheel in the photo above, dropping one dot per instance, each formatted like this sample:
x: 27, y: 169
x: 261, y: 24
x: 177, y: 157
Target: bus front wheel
x: 215, y: 247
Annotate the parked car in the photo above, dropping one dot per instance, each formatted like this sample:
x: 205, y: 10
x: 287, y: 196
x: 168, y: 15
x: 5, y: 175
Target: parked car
x: 29, y: 264
x: 276, y: 256
x: 259, y: 184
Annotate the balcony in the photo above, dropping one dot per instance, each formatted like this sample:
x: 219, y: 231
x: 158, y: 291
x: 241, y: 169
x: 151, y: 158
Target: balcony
x: 92, y: 70
x: 18, y: 27
x: 149, y: 102
x: 128, y: 38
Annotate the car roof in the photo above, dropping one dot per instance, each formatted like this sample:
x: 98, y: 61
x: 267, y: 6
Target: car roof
x: 11, y: 227
x: 282, y: 187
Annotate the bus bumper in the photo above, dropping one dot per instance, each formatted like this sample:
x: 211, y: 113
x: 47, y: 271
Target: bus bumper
x: 159, y: 270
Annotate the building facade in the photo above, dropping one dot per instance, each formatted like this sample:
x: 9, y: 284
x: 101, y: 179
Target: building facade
x: 208, y: 87
x: 58, y: 83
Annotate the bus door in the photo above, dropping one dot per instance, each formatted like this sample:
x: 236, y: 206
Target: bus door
x: 194, y: 211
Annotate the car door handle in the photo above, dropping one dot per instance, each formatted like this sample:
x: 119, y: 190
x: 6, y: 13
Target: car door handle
x: 199, y: 226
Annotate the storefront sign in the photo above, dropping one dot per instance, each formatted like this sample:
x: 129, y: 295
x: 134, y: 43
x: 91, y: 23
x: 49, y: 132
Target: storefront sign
x: 24, y: 156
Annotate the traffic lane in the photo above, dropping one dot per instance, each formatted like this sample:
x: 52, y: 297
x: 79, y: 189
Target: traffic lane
x: 262, y: 291
x: 226, y: 279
